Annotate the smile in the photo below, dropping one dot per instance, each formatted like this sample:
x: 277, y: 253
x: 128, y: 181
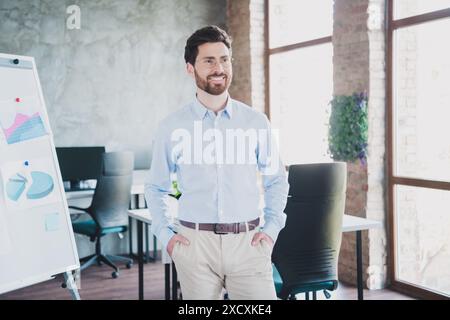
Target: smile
x: 217, y: 79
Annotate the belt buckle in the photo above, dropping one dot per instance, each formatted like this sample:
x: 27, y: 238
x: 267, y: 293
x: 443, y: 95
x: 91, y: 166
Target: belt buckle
x: 215, y: 229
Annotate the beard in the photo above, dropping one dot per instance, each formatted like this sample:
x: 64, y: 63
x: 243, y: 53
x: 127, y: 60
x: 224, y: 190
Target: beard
x: 212, y: 88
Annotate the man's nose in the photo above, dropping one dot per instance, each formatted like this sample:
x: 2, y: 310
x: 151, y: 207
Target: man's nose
x: 218, y: 67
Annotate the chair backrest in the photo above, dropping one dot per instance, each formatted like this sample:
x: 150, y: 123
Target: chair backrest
x: 307, y: 249
x: 112, y: 195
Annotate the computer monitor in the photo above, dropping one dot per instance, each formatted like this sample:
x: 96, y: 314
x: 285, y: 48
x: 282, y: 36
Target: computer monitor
x: 80, y: 163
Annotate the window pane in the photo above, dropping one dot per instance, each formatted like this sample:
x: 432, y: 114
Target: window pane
x: 301, y: 84
x: 292, y: 21
x: 422, y: 101
x: 423, y: 237
x: 408, y: 8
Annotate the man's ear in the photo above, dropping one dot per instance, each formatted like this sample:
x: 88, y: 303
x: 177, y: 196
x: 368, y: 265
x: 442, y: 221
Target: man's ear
x: 190, y: 69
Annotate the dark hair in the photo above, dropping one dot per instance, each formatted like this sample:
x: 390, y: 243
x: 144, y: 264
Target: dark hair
x: 201, y: 36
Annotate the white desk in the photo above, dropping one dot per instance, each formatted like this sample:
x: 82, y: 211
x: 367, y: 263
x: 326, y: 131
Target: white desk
x: 357, y: 224
x: 352, y: 223
x: 79, y: 194
x: 349, y: 224
x: 143, y: 217
x: 137, y: 187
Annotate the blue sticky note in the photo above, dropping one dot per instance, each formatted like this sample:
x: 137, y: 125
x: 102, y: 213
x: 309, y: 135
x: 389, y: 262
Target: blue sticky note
x: 52, y: 222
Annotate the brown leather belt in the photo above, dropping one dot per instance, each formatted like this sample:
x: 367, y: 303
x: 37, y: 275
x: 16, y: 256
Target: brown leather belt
x: 223, y: 228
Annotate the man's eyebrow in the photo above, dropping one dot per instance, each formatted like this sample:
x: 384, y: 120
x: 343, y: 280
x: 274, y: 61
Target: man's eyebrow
x: 211, y: 57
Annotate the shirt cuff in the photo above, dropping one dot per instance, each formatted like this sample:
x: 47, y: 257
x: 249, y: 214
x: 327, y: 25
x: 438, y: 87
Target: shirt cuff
x: 165, y: 235
x: 271, y: 230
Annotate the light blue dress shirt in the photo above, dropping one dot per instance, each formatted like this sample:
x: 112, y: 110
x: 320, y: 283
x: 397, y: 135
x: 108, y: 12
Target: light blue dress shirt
x: 216, y: 189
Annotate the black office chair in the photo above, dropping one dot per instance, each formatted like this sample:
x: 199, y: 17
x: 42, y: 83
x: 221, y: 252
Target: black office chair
x: 108, y: 208
x: 306, y: 252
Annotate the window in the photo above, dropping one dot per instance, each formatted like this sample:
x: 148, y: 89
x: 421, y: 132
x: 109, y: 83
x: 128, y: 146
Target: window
x: 423, y: 240
x: 293, y: 21
x: 422, y: 96
x: 419, y: 145
x: 300, y: 58
x: 408, y: 8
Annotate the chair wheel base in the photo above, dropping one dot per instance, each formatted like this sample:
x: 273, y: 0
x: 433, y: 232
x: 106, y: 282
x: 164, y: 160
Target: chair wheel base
x: 129, y: 265
x: 115, y: 274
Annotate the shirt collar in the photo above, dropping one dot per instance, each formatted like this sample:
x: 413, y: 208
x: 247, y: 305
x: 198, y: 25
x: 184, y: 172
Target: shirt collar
x: 201, y: 111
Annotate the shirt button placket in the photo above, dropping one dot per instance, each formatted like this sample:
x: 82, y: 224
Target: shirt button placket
x: 219, y: 171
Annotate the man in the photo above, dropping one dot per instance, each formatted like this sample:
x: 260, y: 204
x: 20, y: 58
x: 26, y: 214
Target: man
x: 218, y: 243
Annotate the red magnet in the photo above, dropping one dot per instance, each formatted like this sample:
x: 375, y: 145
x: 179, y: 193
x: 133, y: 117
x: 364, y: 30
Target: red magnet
x: 17, y: 99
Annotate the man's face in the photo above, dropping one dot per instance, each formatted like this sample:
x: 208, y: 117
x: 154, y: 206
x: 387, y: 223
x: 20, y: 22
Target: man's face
x: 212, y: 70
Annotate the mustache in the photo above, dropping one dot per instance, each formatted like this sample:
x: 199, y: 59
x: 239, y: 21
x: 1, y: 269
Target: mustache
x: 217, y: 75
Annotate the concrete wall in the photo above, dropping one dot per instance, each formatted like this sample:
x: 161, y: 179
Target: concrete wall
x: 110, y: 82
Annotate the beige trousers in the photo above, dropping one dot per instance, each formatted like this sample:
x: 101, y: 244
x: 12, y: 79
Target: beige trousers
x: 212, y: 262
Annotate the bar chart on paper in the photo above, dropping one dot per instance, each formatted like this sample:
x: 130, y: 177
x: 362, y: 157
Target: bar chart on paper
x: 20, y: 120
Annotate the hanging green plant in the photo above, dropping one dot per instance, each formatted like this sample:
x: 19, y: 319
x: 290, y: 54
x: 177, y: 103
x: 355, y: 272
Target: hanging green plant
x: 347, y: 135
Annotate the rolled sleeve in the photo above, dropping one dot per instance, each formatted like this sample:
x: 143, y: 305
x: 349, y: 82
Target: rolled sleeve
x: 275, y: 183
x: 158, y: 186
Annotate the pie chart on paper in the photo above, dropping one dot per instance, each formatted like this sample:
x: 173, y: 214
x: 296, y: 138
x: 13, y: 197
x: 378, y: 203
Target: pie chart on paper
x: 40, y: 186
x: 15, y: 187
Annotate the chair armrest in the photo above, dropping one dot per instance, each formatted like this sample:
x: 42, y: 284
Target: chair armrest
x: 79, y: 209
x: 75, y: 216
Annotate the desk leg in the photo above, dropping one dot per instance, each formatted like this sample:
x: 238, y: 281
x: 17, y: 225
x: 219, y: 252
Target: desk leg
x: 155, y: 248
x: 130, y: 235
x: 167, y: 280
x: 359, y: 265
x: 141, y: 260
x: 147, y: 251
x: 136, y: 201
x: 130, y: 225
x: 174, y: 282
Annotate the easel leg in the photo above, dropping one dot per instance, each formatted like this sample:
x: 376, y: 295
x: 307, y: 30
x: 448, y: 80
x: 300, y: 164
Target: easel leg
x: 70, y: 283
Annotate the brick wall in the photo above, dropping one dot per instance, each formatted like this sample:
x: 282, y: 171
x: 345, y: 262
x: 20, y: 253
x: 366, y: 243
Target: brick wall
x: 359, y: 65
x: 376, y: 162
x: 257, y: 46
x: 238, y: 17
x: 246, y: 27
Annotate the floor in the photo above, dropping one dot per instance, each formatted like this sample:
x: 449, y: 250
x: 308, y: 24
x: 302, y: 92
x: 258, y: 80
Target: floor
x: 96, y: 283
